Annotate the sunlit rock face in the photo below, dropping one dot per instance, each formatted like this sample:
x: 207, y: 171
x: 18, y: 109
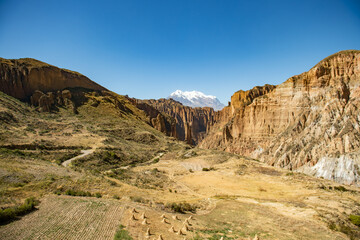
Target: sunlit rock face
x: 311, y: 116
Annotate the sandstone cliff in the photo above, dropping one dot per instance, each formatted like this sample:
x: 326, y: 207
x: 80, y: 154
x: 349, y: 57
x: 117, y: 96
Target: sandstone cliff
x: 20, y: 78
x: 302, y: 124
x: 189, y: 124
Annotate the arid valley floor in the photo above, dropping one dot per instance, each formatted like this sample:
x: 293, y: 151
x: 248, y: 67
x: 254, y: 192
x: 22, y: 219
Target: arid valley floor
x: 103, y: 165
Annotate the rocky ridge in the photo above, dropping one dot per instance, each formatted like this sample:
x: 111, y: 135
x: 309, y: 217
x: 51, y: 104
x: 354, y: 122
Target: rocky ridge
x: 301, y: 124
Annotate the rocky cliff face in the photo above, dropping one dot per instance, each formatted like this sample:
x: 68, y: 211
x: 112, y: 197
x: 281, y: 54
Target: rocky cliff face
x: 310, y: 117
x: 156, y: 119
x: 20, y: 78
x: 188, y: 124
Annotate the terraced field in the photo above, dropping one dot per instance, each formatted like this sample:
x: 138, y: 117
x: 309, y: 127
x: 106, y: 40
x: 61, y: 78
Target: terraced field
x: 62, y: 217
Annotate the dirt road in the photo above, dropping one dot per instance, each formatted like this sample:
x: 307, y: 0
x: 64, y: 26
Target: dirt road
x: 84, y: 153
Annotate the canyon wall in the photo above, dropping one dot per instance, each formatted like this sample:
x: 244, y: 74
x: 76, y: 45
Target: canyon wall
x: 189, y: 124
x: 302, y: 124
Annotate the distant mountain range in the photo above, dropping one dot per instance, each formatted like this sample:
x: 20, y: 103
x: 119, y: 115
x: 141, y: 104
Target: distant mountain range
x: 196, y: 99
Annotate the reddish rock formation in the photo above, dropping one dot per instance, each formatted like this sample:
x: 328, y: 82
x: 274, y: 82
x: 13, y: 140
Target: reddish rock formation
x: 308, y: 117
x: 189, y: 124
x: 241, y: 98
x: 20, y: 78
x: 47, y: 102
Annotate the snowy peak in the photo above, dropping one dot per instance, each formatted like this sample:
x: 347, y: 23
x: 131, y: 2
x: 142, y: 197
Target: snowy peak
x: 190, y: 95
x: 196, y: 99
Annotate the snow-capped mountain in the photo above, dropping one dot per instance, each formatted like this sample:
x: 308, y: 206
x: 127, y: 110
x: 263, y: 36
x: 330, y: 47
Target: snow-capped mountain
x: 196, y: 99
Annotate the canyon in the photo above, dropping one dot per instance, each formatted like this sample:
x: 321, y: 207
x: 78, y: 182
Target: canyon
x: 309, y: 123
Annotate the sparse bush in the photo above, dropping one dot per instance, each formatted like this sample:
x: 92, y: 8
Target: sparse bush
x: 116, y: 197
x: 340, y: 188
x: 109, y: 156
x: 112, y: 183
x: 197, y: 237
x: 154, y: 170
x: 182, y: 207
x: 139, y: 199
x: 98, y: 195
x: 355, y: 219
x: 122, y: 234
x: 208, y: 169
x: 262, y: 189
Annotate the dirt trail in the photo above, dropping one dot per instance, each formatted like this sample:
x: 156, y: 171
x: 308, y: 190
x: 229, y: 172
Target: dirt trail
x: 84, y: 153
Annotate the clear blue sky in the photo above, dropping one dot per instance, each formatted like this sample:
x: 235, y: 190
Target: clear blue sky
x: 149, y: 48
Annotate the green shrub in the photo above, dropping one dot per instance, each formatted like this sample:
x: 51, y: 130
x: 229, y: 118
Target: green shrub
x: 208, y: 169
x: 122, y: 234
x: 341, y: 188
x: 182, y: 207
x: 98, y: 195
x: 355, y: 219
x: 110, y: 157
x: 72, y: 192
x: 9, y: 214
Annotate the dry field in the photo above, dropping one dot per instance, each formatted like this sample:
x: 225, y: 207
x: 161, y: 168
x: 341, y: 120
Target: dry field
x: 239, y: 198
x: 63, y: 217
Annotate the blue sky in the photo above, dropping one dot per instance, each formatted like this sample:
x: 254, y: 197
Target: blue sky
x: 150, y: 48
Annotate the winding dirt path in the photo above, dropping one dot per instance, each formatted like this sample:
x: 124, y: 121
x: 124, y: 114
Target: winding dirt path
x: 84, y: 153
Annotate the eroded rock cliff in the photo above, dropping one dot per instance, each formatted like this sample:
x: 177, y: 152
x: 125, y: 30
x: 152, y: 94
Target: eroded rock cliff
x: 20, y: 78
x: 310, y: 117
x: 189, y: 124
